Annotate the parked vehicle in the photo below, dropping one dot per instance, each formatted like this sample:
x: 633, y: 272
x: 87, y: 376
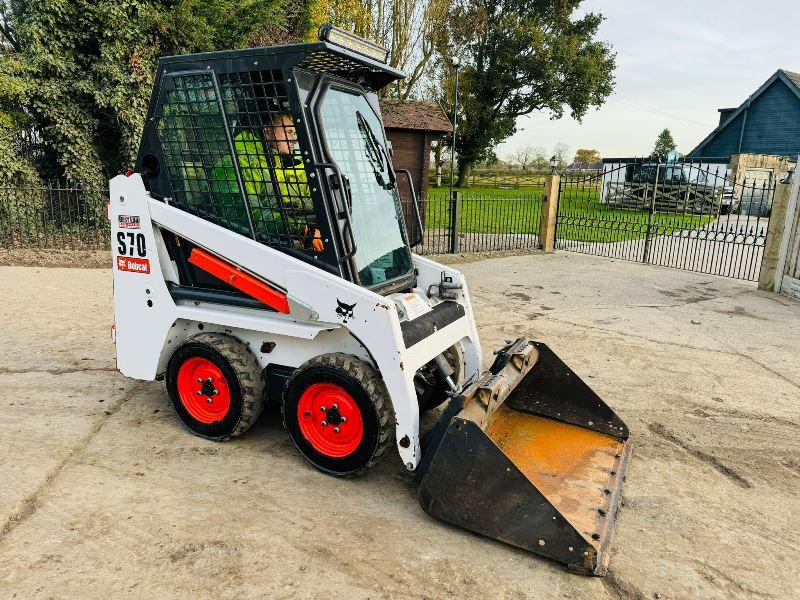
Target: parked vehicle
x: 666, y: 188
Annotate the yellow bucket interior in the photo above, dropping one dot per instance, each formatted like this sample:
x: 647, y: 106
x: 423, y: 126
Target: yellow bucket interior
x: 571, y: 466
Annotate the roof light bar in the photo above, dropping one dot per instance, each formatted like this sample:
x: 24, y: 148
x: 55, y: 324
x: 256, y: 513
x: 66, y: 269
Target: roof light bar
x: 334, y: 35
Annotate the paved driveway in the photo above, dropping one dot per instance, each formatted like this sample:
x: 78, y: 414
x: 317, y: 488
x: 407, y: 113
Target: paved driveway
x: 103, y: 494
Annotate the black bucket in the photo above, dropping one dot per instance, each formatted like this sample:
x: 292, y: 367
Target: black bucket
x: 530, y: 456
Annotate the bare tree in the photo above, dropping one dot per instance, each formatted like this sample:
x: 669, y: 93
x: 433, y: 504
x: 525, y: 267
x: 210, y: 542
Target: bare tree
x: 528, y: 156
x: 427, y: 39
x: 561, y: 152
x: 438, y: 160
x: 410, y: 29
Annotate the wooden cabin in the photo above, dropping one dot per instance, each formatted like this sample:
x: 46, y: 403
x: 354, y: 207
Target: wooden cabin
x: 411, y: 126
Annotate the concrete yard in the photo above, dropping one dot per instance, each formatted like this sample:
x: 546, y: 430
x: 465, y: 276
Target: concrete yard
x: 103, y: 493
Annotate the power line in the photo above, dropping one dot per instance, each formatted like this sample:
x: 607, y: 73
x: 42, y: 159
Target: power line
x: 658, y: 111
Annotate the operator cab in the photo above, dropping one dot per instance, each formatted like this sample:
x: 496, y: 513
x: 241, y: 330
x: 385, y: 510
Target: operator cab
x: 284, y: 145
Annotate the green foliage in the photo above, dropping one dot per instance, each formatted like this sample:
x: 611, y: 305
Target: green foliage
x: 14, y: 165
x: 664, y: 144
x: 80, y: 71
x: 587, y: 155
x: 520, y: 56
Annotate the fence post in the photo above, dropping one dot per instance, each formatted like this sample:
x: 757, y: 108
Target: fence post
x: 455, y: 219
x: 774, y: 260
x: 547, y: 224
x: 651, y: 212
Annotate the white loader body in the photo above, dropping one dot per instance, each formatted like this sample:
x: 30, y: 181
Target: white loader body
x: 150, y: 324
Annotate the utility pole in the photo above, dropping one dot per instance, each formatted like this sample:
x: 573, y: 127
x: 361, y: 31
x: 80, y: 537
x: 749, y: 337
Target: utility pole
x: 456, y: 63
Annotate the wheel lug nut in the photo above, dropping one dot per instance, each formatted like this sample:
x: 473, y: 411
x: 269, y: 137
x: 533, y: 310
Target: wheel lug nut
x: 324, y: 423
x: 323, y: 408
x: 335, y: 407
x: 335, y: 430
x: 215, y: 392
x: 199, y: 393
x: 344, y: 419
x: 199, y: 380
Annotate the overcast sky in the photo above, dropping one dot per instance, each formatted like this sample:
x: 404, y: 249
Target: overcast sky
x: 677, y: 63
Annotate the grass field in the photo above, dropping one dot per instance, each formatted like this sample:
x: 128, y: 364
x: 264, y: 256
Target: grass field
x: 488, y: 213
x: 582, y: 217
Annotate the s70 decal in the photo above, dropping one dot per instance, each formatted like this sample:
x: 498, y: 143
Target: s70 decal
x: 131, y: 244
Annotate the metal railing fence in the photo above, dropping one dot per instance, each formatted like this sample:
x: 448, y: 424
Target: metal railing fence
x: 54, y: 215
x: 477, y: 222
x: 60, y: 216
x: 682, y: 215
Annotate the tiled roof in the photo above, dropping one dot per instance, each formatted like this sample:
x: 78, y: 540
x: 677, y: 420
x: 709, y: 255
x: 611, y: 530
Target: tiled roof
x: 585, y: 166
x: 414, y: 114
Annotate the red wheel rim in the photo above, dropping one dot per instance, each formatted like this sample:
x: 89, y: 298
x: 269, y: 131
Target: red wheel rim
x: 203, y: 390
x: 330, y: 420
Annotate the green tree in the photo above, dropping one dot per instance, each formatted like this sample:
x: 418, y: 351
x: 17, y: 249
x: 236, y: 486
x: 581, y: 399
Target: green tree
x: 664, y: 144
x: 520, y: 56
x: 86, y: 67
x: 586, y: 155
x: 15, y: 164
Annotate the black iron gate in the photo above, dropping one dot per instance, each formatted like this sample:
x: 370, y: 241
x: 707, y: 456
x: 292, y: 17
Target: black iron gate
x: 691, y: 216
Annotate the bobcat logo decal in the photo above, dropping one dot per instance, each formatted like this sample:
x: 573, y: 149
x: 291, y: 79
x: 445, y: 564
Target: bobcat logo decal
x: 345, y: 311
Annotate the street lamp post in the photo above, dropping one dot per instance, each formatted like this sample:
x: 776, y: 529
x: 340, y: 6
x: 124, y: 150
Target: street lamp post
x: 456, y: 63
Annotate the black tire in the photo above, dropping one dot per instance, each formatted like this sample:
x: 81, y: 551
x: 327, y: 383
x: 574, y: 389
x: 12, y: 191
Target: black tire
x: 243, y: 378
x: 366, y: 388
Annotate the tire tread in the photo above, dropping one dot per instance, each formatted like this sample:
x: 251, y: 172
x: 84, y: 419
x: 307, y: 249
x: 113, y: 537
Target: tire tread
x: 372, y: 383
x: 248, y: 372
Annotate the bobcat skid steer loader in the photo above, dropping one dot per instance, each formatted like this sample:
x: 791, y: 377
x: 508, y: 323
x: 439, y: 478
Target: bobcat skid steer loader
x: 261, y: 254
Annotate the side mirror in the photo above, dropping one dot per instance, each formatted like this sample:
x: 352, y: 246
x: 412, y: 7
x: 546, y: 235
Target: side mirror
x: 415, y: 238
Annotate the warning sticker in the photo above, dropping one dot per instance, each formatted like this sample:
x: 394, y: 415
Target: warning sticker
x: 129, y: 222
x: 135, y: 265
x: 414, y: 306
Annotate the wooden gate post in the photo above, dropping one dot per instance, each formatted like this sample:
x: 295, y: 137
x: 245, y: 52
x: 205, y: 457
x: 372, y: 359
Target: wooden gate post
x: 547, y: 224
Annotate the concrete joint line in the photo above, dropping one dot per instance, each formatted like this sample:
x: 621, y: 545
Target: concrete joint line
x: 65, y: 371
x: 28, y: 506
x: 620, y: 589
x: 662, y: 432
